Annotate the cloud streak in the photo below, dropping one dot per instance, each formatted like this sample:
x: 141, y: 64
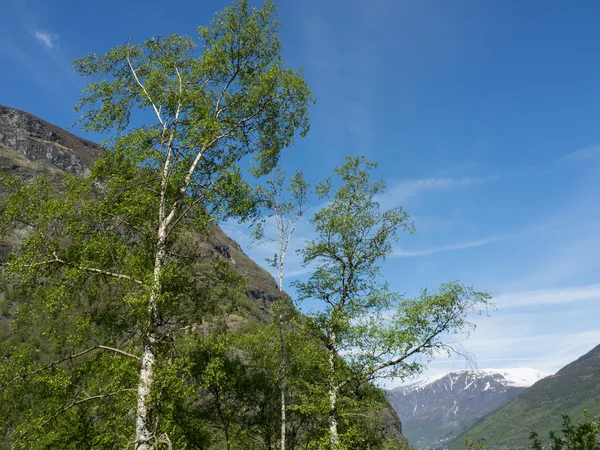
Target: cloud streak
x: 401, y: 192
x: 47, y: 39
x: 582, y: 155
x: 549, y: 296
x: 399, y: 253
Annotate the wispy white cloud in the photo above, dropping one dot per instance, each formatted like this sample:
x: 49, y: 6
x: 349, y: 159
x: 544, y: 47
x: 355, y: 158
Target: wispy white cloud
x: 584, y: 154
x: 549, y: 296
x: 400, y: 192
x: 46, y: 38
x: 445, y: 248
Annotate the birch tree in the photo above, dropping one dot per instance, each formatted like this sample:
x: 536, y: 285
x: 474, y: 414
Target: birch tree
x: 367, y: 330
x: 286, y: 204
x: 181, y: 119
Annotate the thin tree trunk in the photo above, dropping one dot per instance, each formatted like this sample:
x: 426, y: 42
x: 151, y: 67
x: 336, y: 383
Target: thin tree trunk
x: 143, y: 433
x: 283, y: 371
x: 283, y: 361
x: 333, y: 431
x: 281, y: 258
x: 333, y: 389
x: 223, y: 419
x: 227, y: 439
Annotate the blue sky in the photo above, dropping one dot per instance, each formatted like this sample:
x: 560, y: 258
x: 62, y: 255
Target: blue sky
x: 484, y: 117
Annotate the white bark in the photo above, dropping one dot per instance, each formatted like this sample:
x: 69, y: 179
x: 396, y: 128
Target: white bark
x: 283, y: 372
x: 144, y: 414
x: 333, y: 390
x: 143, y: 432
x: 283, y: 366
x: 143, y: 422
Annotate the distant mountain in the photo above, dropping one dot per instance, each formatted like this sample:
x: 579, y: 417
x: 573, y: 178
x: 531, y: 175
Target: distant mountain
x: 540, y: 408
x: 435, y: 410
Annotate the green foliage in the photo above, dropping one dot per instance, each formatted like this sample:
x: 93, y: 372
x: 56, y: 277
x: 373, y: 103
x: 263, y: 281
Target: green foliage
x: 106, y: 272
x: 361, y: 316
x: 233, y: 99
x: 584, y: 435
x: 379, y: 333
x: 541, y: 406
x: 286, y: 201
x: 475, y: 445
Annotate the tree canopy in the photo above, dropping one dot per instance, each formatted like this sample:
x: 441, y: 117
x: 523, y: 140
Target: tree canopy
x: 113, y: 258
x: 378, y: 332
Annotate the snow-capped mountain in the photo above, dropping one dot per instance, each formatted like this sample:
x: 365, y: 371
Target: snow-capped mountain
x: 436, y: 409
x: 571, y: 390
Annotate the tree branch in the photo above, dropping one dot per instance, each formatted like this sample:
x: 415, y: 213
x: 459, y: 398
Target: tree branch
x: 137, y: 80
x: 69, y: 358
x: 57, y: 260
x: 393, y: 362
x: 75, y: 402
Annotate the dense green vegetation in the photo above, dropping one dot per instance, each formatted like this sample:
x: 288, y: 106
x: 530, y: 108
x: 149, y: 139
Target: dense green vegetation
x: 120, y: 331
x: 583, y: 435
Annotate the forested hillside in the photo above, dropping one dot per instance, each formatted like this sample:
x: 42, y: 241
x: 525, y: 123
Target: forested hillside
x: 540, y: 408
x: 30, y: 148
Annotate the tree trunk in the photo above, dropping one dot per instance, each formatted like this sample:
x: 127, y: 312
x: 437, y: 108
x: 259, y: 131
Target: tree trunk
x: 143, y: 432
x: 283, y: 371
x: 144, y: 413
x: 333, y: 390
x: 283, y: 361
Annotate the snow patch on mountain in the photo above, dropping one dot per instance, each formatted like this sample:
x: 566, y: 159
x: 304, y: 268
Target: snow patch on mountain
x: 514, y: 377
x: 518, y: 376
x: 435, y: 409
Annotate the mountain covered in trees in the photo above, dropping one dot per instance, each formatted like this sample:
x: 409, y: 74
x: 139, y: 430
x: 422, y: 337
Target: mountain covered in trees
x: 539, y: 408
x: 30, y: 146
x: 247, y: 408
x: 435, y: 410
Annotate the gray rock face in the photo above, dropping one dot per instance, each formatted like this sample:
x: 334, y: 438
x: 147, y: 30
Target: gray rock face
x: 433, y: 412
x: 41, y: 142
x: 30, y: 146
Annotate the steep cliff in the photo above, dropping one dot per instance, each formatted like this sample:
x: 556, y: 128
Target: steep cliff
x: 30, y: 146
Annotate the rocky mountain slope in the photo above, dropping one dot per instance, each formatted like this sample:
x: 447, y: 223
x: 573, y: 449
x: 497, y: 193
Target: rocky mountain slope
x: 436, y: 410
x: 540, y: 408
x: 31, y: 147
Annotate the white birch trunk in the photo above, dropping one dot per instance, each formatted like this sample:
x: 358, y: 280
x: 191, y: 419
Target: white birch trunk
x: 283, y: 372
x: 333, y: 390
x: 143, y: 432
x: 143, y: 425
x: 333, y: 431
x: 283, y: 362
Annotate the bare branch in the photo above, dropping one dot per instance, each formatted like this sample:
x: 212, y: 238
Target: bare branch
x: 108, y: 273
x: 137, y: 80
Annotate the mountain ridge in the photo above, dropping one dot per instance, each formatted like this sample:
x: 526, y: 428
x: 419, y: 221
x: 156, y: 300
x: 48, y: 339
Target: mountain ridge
x: 539, y: 408
x: 31, y: 146
x: 433, y: 411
